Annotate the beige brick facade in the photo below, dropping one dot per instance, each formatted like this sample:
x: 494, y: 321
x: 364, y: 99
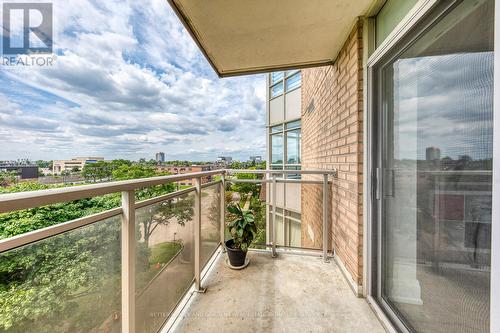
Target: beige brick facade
x: 332, y: 138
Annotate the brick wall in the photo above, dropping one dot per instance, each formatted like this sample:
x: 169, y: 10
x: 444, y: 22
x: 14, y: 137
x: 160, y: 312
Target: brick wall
x: 332, y: 125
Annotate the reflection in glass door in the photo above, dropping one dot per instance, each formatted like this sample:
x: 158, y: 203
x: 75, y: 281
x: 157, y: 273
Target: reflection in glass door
x: 436, y: 118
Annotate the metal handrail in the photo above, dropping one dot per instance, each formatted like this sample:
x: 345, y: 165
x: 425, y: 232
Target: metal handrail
x: 57, y: 229
x: 332, y: 172
x: 278, y: 180
x: 25, y: 200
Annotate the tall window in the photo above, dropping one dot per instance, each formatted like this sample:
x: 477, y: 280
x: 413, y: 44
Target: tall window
x: 284, y: 82
x: 285, y: 146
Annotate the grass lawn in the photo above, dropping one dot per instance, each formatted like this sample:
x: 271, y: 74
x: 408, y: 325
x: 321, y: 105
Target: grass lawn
x: 163, y: 252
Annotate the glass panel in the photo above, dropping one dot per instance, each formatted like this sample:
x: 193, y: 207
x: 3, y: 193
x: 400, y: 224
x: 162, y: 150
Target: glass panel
x: 293, y: 147
x: 278, y: 128
x: 276, y: 76
x: 280, y: 228
x: 277, y: 148
x: 66, y: 283
x: 277, y: 90
x: 291, y: 72
x: 437, y: 162
x: 165, y: 268
x: 293, y: 233
x: 258, y: 206
x: 389, y: 16
x: 210, y: 221
x: 311, y: 215
x: 293, y: 82
x: 251, y: 197
x: 293, y: 124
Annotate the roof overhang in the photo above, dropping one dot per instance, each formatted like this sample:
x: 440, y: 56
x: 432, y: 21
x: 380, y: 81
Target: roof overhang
x: 252, y: 36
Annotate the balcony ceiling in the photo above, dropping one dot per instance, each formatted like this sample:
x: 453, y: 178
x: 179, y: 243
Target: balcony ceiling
x: 244, y: 37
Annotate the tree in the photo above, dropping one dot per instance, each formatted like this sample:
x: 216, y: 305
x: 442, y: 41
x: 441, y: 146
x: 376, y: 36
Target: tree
x: 150, y: 217
x: 97, y: 171
x: 245, y: 188
x: 7, y: 178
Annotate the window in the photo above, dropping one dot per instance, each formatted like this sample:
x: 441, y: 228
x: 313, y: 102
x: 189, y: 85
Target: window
x: 281, y: 81
x: 276, y: 77
x: 293, y: 175
x: 278, y: 128
x: 389, y: 16
x: 293, y: 81
x: 285, y: 144
x: 293, y: 124
x: 293, y: 147
x: 277, y: 90
x: 277, y: 148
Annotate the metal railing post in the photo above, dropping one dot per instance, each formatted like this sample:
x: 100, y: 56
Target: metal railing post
x: 223, y: 213
x: 272, y: 227
x: 197, y: 236
x: 128, y: 261
x: 325, y: 217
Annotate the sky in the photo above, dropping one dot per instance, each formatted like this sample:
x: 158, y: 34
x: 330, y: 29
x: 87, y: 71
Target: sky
x: 128, y: 82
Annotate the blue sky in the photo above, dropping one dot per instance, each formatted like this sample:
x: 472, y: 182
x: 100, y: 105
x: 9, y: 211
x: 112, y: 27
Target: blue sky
x: 128, y: 82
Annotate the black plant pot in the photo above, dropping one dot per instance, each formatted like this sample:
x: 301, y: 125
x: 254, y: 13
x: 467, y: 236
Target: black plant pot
x: 236, y: 256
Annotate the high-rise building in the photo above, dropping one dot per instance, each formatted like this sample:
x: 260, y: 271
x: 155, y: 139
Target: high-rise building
x: 160, y: 157
x: 283, y: 110
x: 432, y: 154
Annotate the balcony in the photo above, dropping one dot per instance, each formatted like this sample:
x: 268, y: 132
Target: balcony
x: 288, y: 293
x: 142, y: 267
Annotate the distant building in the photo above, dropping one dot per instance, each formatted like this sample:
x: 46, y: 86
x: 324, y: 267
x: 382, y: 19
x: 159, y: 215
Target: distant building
x: 46, y: 171
x: 160, y: 157
x: 432, y: 154
x: 22, y: 171
x: 77, y: 162
x: 256, y: 159
x: 180, y: 170
x: 224, y: 160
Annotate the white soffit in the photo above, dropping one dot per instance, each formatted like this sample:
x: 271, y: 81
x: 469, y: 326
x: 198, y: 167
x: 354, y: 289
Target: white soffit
x: 251, y: 36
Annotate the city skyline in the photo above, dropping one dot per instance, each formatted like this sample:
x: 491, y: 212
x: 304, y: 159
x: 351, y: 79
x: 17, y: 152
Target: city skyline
x: 159, y: 92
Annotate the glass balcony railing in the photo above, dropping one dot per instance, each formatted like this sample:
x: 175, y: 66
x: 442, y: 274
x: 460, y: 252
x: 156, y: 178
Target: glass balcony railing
x: 126, y: 269
x: 292, y: 207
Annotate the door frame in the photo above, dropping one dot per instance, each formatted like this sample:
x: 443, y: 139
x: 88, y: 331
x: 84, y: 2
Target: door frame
x: 372, y: 136
x: 495, y: 229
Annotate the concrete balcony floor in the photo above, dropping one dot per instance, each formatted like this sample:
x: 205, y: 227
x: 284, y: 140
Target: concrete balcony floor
x: 290, y: 293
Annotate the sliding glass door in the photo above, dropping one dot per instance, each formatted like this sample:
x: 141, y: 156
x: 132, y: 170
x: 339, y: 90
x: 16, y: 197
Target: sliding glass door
x: 435, y: 125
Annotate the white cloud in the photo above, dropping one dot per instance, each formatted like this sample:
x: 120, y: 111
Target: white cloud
x: 128, y: 81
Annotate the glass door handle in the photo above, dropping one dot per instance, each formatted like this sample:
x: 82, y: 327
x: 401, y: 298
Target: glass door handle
x: 377, y: 183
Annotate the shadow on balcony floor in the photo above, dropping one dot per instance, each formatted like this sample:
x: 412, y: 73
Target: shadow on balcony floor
x: 288, y: 294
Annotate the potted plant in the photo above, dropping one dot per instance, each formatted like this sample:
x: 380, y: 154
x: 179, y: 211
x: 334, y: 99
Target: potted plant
x: 242, y: 228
